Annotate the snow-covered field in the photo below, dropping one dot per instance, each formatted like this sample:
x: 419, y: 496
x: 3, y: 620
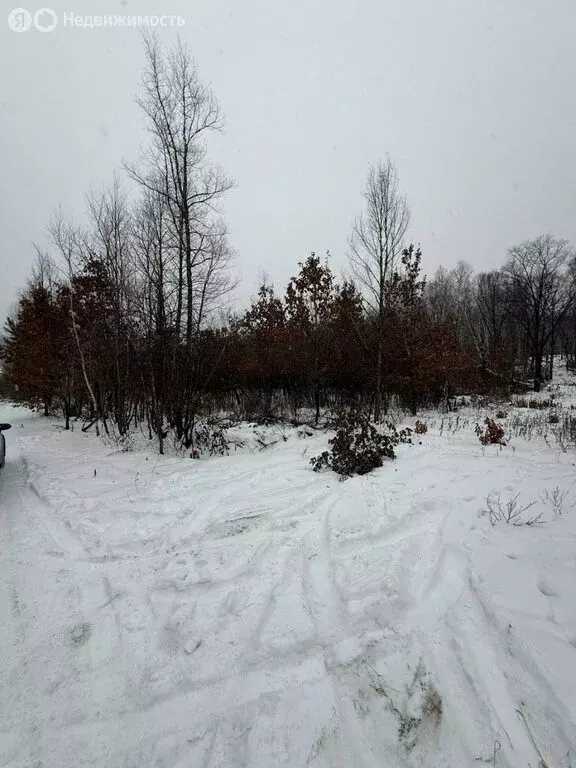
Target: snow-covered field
x: 245, y: 611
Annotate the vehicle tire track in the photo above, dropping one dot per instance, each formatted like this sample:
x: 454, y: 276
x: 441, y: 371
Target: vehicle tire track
x: 328, y: 612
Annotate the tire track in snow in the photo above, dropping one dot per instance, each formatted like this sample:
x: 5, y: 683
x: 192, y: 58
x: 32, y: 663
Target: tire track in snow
x: 291, y: 558
x: 462, y: 647
x: 323, y: 600
x: 52, y: 657
x: 66, y: 543
x: 328, y: 612
x: 11, y: 626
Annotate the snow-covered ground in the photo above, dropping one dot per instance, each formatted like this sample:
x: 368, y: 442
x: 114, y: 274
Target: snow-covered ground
x: 245, y: 611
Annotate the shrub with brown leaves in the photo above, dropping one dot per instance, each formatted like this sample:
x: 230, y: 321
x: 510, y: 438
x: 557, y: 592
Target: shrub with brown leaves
x: 492, y: 435
x: 358, y: 447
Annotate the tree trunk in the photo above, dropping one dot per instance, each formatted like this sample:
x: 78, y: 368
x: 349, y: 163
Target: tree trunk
x: 538, y: 357
x: 378, y: 383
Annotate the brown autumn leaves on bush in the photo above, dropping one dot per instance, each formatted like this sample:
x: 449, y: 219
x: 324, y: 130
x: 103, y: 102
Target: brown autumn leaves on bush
x: 492, y: 435
x: 358, y: 446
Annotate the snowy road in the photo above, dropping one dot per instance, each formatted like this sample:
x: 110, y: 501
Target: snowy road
x: 245, y: 611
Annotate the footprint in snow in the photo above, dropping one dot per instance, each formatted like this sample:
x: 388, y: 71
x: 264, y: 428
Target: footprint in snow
x: 80, y: 634
x: 546, y: 589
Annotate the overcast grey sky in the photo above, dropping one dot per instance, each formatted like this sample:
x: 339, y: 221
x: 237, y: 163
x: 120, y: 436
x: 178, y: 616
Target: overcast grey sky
x: 474, y: 99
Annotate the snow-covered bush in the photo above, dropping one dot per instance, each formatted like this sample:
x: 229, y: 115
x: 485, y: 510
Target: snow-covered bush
x: 533, y: 403
x: 121, y: 443
x: 211, y: 438
x: 358, y: 447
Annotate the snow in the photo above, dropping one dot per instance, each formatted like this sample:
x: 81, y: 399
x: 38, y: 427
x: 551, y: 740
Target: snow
x: 246, y: 611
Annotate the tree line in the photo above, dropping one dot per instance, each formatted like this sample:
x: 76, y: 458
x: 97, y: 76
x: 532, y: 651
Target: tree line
x: 123, y: 324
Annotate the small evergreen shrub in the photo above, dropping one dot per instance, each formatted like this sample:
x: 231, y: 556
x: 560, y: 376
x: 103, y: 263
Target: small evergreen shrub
x: 358, y: 447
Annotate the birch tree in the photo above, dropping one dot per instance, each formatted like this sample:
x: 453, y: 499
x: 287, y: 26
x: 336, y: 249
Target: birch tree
x: 69, y: 242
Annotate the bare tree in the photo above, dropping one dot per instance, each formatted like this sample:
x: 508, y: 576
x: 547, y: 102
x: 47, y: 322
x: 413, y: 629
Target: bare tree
x: 376, y: 244
x: 109, y: 244
x: 497, y: 331
x: 44, y: 271
x: 439, y: 297
x: 450, y: 298
x: 70, y: 242
x: 181, y: 112
x: 541, y: 276
x: 154, y: 261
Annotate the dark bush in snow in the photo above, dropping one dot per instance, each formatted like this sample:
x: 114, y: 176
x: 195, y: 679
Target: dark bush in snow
x: 210, y: 438
x: 420, y: 427
x: 492, y: 435
x: 358, y: 447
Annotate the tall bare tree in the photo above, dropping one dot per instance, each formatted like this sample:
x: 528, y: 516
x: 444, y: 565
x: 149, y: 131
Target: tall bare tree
x: 497, y: 334
x: 109, y: 244
x: 181, y: 112
x: 541, y: 275
x: 375, y: 245
x: 70, y: 242
x: 154, y: 260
